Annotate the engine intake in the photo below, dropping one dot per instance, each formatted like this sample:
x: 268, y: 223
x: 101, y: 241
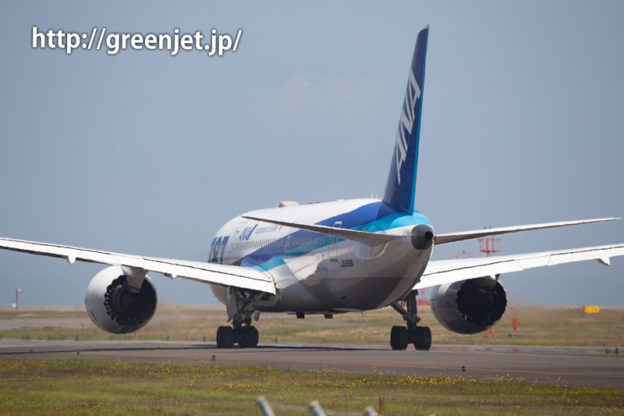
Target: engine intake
x: 469, y: 306
x: 115, y: 306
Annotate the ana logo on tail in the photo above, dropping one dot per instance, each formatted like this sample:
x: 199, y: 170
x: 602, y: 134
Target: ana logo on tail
x: 407, y: 122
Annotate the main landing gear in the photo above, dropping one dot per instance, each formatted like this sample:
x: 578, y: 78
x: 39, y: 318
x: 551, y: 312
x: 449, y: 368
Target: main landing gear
x: 401, y: 336
x: 240, y: 307
x: 245, y: 336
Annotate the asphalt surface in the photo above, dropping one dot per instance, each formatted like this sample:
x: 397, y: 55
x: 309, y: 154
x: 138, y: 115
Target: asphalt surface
x: 574, y: 366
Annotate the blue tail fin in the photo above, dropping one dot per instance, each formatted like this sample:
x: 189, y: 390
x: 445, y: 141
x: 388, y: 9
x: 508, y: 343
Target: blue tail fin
x: 401, y: 185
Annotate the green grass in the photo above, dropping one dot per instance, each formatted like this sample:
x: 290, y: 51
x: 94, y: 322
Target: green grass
x: 76, y: 387
x: 537, y: 326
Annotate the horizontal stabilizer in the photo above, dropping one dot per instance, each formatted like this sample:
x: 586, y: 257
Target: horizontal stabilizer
x: 355, y: 235
x: 486, y: 232
x: 441, y: 272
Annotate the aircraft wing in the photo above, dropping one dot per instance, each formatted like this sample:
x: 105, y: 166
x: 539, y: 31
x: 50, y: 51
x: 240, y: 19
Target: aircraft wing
x: 448, y: 271
x: 467, y: 235
x: 219, y: 274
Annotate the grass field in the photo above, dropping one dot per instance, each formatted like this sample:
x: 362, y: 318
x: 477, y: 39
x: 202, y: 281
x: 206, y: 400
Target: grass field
x: 75, y: 387
x: 537, y: 326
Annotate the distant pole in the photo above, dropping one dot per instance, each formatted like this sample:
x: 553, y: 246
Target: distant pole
x: 17, y: 299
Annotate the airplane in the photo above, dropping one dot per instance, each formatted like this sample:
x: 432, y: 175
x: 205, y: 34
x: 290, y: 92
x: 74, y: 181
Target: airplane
x: 328, y: 258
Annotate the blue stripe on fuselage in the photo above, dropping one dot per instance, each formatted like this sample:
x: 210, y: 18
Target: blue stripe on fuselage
x: 373, y: 217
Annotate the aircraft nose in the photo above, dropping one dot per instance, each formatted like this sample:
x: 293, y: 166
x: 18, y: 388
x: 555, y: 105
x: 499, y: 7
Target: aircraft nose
x: 422, y: 237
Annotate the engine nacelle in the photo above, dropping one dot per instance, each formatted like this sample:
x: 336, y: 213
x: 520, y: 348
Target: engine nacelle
x: 115, y: 306
x: 469, y: 306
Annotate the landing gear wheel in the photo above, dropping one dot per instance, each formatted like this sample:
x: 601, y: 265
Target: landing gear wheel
x: 422, y: 338
x: 247, y: 336
x: 253, y: 336
x: 399, y: 338
x: 225, y: 337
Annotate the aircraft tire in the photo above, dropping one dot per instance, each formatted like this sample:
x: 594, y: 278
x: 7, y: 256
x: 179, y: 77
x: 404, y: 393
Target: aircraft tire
x: 247, y: 337
x: 422, y: 338
x: 399, y: 338
x: 225, y: 337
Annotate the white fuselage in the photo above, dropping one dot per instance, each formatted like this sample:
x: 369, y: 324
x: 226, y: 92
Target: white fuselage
x: 314, y: 272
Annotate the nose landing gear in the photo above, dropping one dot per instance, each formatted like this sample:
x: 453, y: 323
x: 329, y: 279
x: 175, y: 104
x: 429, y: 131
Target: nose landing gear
x: 401, y: 336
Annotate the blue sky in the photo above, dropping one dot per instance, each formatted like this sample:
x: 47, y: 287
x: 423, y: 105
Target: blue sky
x: 149, y: 154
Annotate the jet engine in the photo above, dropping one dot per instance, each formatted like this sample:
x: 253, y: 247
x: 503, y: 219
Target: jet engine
x: 469, y: 306
x: 117, y: 307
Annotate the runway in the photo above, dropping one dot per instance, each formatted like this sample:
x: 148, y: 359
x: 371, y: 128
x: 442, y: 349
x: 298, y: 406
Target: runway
x: 575, y: 366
